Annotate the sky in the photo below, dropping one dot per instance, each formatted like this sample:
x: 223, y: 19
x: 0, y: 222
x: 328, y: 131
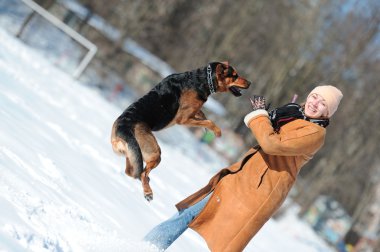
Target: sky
x: 63, y: 189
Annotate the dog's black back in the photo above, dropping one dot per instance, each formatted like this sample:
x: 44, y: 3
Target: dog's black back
x: 159, y: 106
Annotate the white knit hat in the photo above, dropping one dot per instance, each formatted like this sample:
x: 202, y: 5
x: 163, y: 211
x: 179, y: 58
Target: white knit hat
x: 332, y: 96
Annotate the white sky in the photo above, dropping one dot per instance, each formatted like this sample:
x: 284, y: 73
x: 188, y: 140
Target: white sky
x: 63, y: 189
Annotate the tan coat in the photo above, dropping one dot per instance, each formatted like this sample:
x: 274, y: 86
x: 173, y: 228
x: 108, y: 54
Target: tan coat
x: 248, y: 193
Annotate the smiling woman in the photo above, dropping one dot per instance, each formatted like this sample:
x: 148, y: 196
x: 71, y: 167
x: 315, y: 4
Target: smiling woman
x: 315, y: 106
x: 241, y: 198
x: 322, y: 102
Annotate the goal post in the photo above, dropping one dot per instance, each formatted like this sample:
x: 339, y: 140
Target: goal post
x: 91, y: 47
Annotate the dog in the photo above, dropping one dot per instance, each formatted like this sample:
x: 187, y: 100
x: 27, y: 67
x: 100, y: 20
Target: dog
x: 177, y: 99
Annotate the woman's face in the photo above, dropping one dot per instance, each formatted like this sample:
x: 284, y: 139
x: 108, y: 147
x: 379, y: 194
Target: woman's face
x: 315, y: 106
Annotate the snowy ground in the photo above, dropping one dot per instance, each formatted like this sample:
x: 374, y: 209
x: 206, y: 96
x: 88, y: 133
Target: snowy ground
x: 63, y: 189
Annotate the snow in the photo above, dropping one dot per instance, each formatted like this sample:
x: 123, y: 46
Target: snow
x: 63, y: 189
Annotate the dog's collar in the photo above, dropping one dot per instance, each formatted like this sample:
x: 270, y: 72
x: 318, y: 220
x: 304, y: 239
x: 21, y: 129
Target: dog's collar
x: 209, y: 80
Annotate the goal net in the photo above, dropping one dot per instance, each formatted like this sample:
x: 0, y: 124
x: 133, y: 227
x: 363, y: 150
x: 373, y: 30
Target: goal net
x: 38, y: 28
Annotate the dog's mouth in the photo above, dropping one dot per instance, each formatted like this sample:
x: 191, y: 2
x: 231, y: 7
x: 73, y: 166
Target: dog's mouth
x: 235, y: 91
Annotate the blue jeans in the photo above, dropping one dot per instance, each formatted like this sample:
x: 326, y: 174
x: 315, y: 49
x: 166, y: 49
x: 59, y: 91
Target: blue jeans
x: 164, y: 234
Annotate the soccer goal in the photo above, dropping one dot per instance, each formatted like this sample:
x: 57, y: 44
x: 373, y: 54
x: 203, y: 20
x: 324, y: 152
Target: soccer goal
x: 55, y: 38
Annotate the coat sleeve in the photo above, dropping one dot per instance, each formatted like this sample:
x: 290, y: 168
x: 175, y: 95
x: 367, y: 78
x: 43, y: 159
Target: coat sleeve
x: 302, y: 141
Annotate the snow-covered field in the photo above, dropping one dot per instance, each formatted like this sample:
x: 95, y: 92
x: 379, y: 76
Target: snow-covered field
x: 63, y: 189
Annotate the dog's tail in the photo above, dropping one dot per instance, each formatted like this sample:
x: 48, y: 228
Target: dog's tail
x: 124, y: 143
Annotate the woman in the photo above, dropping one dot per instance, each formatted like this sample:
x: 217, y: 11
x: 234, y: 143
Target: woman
x: 240, y: 199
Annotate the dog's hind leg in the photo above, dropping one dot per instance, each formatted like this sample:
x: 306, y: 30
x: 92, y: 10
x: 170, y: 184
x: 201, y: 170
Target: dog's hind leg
x: 151, y: 153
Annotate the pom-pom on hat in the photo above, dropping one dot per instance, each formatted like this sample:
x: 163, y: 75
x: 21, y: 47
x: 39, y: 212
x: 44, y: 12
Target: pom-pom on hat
x: 332, y: 96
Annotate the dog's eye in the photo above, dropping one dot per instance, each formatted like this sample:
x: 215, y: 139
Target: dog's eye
x: 230, y: 72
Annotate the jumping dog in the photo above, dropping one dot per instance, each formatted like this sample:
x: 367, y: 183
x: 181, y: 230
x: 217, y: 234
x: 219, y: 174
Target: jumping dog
x: 177, y: 99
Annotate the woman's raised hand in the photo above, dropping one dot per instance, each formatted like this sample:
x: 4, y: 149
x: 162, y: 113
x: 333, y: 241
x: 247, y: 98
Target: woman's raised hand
x: 258, y: 102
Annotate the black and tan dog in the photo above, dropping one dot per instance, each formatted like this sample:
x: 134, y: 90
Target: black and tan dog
x: 177, y: 99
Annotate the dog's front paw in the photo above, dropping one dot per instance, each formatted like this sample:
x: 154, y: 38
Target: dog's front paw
x: 148, y: 196
x: 217, y: 132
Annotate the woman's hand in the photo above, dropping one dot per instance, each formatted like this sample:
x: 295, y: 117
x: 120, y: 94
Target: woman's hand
x: 258, y: 102
x: 259, y: 108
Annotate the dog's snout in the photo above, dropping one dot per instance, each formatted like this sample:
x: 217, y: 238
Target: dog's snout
x: 245, y: 82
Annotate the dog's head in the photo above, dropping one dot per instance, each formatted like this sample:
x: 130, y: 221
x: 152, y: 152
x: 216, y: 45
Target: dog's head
x: 227, y: 78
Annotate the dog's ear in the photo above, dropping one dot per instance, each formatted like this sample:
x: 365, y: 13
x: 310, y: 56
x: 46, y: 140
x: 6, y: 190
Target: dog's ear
x: 219, y: 72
